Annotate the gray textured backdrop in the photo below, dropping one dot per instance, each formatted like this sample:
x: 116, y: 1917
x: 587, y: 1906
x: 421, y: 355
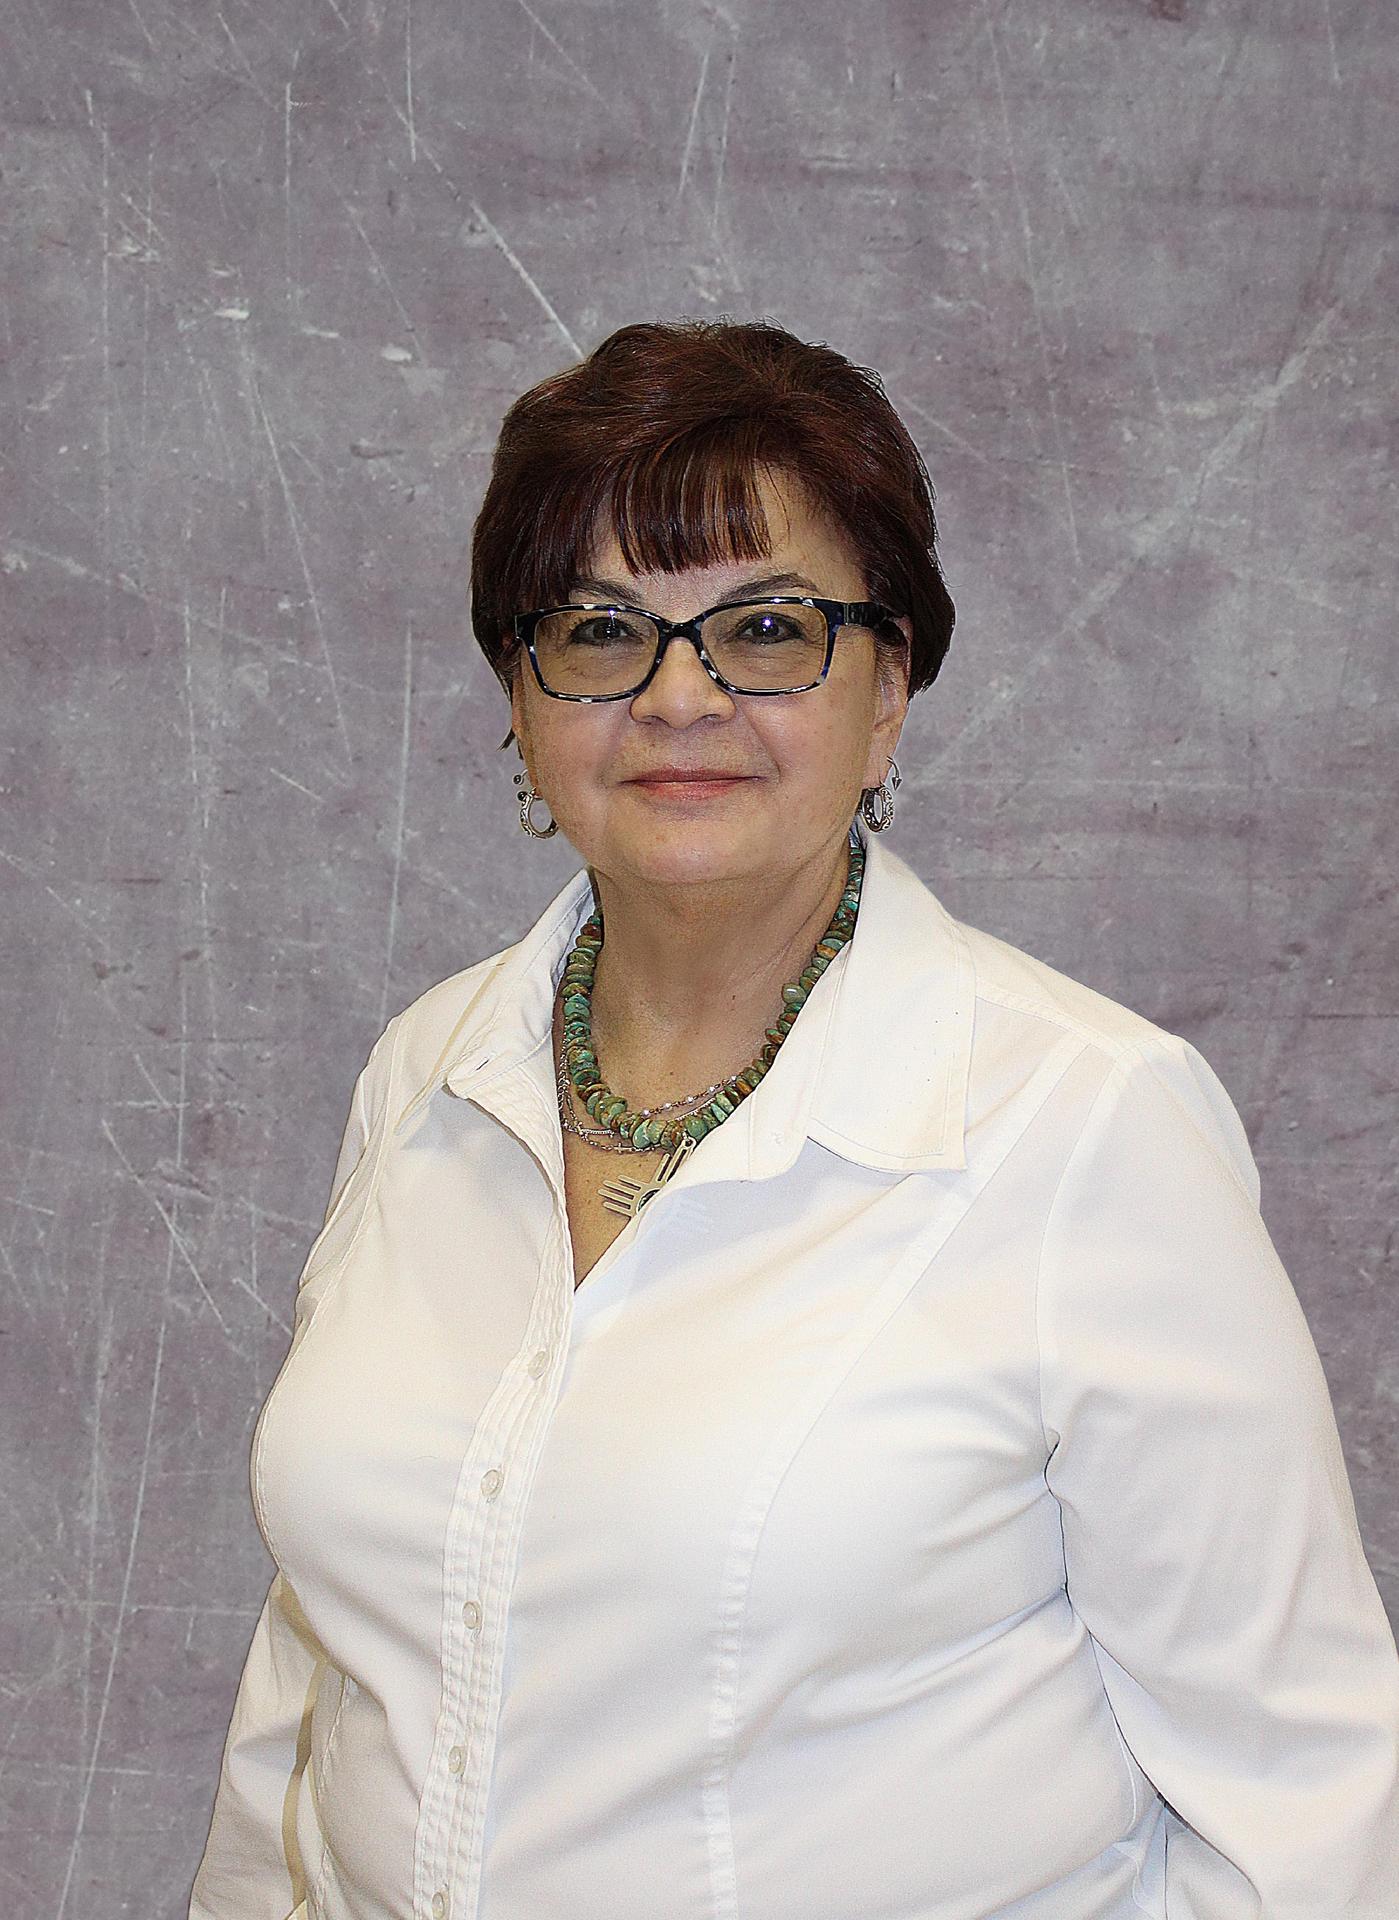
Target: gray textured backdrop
x: 273, y: 272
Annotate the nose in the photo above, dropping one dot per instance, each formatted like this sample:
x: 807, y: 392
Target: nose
x: 682, y: 689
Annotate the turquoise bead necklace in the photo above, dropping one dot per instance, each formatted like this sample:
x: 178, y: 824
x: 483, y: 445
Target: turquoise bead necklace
x: 645, y: 1129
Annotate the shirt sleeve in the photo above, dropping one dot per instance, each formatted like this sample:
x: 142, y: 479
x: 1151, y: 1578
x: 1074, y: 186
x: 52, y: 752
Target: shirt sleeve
x: 251, y: 1868
x: 1210, y: 1535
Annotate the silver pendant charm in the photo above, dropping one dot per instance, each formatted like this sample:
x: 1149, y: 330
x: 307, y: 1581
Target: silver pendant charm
x: 628, y: 1197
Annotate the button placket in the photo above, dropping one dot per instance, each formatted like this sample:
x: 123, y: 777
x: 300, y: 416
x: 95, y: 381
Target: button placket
x: 452, y: 1840
x: 474, y: 1524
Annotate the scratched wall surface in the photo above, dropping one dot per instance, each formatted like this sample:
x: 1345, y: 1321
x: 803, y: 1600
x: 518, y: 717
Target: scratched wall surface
x: 273, y: 271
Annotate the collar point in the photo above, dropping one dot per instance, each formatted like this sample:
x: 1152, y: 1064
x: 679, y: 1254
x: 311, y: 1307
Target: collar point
x: 947, y: 1156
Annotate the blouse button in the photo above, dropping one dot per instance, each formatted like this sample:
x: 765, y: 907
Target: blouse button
x: 491, y: 1482
x: 538, y: 1362
x: 456, y: 1759
x: 439, y: 1905
x: 471, y: 1613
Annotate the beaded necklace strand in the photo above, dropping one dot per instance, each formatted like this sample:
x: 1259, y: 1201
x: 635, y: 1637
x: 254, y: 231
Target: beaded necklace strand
x: 609, y: 1142
x: 625, y: 1129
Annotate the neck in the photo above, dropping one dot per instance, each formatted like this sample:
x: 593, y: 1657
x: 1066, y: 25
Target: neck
x: 690, y: 977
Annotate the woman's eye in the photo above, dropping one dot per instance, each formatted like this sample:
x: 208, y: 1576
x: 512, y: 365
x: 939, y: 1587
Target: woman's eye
x: 766, y: 626
x: 598, y: 632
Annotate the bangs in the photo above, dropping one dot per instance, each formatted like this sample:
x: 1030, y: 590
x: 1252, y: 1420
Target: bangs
x: 692, y: 502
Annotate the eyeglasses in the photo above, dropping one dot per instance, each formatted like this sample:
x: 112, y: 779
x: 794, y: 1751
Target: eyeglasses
x: 591, y: 651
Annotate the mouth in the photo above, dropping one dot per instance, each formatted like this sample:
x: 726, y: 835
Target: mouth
x: 699, y: 783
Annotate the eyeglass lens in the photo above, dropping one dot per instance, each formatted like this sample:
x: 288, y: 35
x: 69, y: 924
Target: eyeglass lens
x: 758, y: 648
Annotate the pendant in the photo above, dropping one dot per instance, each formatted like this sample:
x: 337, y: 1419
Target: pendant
x: 628, y: 1197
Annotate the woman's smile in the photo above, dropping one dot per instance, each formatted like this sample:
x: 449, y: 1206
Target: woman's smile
x: 675, y: 787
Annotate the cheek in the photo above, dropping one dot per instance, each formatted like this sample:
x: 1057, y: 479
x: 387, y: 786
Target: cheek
x: 572, y: 750
x: 827, y: 747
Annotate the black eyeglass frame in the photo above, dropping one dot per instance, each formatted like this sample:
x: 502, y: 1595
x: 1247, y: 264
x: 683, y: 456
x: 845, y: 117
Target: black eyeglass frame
x: 838, y: 614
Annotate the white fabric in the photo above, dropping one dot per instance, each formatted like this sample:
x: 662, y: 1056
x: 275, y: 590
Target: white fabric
x: 930, y: 1507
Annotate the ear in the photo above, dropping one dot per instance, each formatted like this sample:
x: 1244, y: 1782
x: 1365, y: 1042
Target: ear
x: 517, y: 709
x: 904, y: 623
x: 891, y: 703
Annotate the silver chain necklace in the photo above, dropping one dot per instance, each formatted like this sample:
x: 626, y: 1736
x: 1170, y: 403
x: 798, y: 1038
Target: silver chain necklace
x: 624, y: 1195
x: 603, y: 1136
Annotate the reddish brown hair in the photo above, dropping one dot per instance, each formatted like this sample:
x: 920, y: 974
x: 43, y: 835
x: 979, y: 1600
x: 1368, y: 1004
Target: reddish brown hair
x: 663, y: 430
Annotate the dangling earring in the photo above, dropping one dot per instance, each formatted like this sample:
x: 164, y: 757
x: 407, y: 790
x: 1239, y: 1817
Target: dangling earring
x: 528, y: 796
x: 877, y: 803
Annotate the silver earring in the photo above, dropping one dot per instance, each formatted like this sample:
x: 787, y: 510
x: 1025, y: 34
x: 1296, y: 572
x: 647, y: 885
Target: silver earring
x: 877, y: 803
x: 528, y: 796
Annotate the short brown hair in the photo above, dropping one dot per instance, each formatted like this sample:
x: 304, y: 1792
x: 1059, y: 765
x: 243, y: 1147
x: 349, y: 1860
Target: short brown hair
x: 664, y: 429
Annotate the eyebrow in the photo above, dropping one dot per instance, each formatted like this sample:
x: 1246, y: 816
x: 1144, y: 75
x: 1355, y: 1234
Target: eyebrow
x: 761, y: 583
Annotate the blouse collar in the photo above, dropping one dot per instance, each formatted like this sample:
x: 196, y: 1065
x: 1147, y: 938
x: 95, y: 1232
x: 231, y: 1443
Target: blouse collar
x: 876, y: 1068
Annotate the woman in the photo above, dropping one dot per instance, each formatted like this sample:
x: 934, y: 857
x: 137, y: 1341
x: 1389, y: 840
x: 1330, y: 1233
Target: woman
x: 794, y: 1413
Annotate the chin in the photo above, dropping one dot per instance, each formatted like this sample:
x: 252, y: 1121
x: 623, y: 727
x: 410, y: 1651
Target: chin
x: 676, y: 851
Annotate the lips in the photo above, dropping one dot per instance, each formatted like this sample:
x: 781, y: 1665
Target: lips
x: 676, y: 776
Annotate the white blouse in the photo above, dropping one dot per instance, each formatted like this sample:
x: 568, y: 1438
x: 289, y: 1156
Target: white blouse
x: 929, y: 1508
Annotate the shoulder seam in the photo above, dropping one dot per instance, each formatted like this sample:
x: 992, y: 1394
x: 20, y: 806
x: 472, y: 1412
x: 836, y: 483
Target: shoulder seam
x: 1015, y: 1002
x: 1212, y: 1146
x: 461, y: 980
